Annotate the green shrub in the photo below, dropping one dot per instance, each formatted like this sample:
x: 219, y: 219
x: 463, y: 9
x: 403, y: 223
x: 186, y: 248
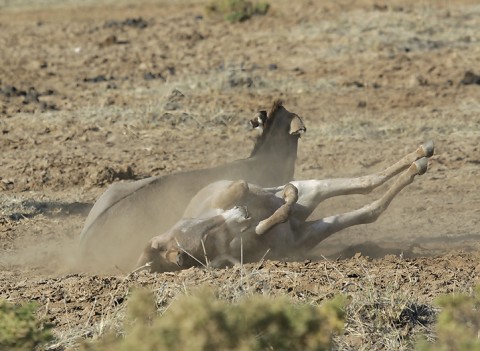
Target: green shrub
x: 20, y: 329
x: 458, y: 325
x: 236, y: 10
x: 203, y: 322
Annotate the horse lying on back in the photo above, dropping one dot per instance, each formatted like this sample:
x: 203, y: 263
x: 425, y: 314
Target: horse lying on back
x: 233, y: 220
x: 128, y: 214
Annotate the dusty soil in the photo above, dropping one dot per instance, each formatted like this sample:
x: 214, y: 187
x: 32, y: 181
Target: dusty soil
x: 90, y: 95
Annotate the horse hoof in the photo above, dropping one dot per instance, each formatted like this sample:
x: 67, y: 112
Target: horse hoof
x: 422, y: 165
x: 428, y: 148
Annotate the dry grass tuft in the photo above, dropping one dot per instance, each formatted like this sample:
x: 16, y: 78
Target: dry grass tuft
x: 236, y: 10
x: 383, y: 319
x: 458, y: 325
x: 19, y: 329
x: 201, y: 321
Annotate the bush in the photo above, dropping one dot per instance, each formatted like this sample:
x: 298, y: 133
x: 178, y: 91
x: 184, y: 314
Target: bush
x: 236, y: 10
x: 203, y: 322
x: 458, y: 325
x: 20, y: 329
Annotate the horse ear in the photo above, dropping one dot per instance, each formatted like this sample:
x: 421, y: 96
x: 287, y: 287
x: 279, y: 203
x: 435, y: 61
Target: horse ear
x: 174, y: 256
x: 297, y: 126
x: 262, y: 116
x: 258, y: 120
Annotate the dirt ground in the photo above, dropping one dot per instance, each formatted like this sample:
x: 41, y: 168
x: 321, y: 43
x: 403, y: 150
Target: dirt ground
x: 93, y: 94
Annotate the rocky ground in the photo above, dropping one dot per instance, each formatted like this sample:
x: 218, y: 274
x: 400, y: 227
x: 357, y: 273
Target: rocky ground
x: 117, y: 91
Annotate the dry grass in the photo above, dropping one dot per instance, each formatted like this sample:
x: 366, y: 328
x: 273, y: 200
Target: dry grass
x: 375, y: 319
x: 384, y: 319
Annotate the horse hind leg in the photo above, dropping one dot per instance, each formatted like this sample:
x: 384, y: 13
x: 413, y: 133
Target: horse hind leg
x: 313, y: 192
x: 313, y: 232
x: 232, y: 195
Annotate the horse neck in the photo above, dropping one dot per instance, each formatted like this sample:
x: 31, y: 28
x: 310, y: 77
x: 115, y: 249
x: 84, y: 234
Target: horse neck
x: 276, y: 160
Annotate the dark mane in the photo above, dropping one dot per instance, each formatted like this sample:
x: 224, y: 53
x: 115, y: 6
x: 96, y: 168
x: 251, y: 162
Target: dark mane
x: 277, y: 104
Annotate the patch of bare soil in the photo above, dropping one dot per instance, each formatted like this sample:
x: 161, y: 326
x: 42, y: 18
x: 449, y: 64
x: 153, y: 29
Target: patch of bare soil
x: 100, y: 93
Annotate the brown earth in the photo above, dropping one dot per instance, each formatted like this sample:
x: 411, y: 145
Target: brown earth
x: 88, y: 96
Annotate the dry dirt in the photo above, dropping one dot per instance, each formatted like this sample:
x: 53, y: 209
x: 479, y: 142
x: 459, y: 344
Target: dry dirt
x: 90, y: 95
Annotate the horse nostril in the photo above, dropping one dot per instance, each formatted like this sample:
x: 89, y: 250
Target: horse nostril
x: 244, y: 211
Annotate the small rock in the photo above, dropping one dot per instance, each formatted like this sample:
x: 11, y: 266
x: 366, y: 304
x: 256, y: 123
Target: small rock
x: 176, y: 94
x: 470, y: 78
x: 110, y: 40
x: 174, y: 100
x: 172, y: 106
x: 152, y: 76
x: 6, y: 184
x: 32, y: 96
x: 129, y: 22
x: 299, y: 71
x: 97, y: 79
x: 35, y: 65
x: 11, y: 91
